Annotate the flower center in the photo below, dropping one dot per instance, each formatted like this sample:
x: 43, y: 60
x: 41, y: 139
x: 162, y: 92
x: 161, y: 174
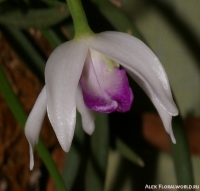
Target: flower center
x: 105, y: 87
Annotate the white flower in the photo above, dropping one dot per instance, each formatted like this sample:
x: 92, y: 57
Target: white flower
x: 76, y: 61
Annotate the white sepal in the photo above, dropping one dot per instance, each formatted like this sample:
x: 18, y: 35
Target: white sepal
x: 34, y: 123
x: 62, y: 74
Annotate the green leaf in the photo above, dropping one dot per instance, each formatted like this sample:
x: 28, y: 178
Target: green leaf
x: 74, y: 157
x: 50, y: 165
x: 12, y: 101
x: 1, y: 1
x: 54, y: 3
x: 55, y: 38
x: 25, y: 50
x: 118, y: 173
x: 34, y: 18
x: 116, y: 17
x: 128, y: 153
x: 96, y: 169
x: 20, y: 115
x: 51, y: 36
x: 181, y: 154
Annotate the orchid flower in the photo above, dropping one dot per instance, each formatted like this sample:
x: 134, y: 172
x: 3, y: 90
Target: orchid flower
x: 85, y: 74
x: 76, y: 77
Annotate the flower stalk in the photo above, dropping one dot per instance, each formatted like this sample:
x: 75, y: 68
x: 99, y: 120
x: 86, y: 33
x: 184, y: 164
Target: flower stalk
x: 79, y: 18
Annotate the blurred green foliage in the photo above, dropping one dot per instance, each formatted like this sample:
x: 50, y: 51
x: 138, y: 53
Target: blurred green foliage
x: 171, y: 29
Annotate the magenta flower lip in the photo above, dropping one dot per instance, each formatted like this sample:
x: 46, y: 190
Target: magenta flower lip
x: 108, y: 90
x: 105, y: 88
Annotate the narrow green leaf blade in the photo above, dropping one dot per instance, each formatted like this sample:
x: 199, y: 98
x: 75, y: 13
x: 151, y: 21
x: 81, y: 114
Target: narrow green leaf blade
x: 96, y: 170
x: 74, y: 157
x: 34, y: 18
x: 25, y: 50
x: 20, y: 115
x: 52, y: 37
x: 12, y: 101
x: 128, y: 153
x: 117, y: 18
x: 181, y: 154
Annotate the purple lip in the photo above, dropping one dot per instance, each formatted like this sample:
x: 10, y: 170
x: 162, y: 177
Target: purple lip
x: 105, y: 90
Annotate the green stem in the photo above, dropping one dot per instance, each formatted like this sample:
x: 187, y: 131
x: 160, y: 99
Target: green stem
x: 80, y: 21
x: 20, y: 115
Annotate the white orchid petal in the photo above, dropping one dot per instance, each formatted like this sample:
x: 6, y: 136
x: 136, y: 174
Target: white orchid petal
x: 88, y: 116
x: 166, y: 119
x: 34, y: 123
x: 62, y: 74
x: 165, y: 116
x: 135, y: 56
